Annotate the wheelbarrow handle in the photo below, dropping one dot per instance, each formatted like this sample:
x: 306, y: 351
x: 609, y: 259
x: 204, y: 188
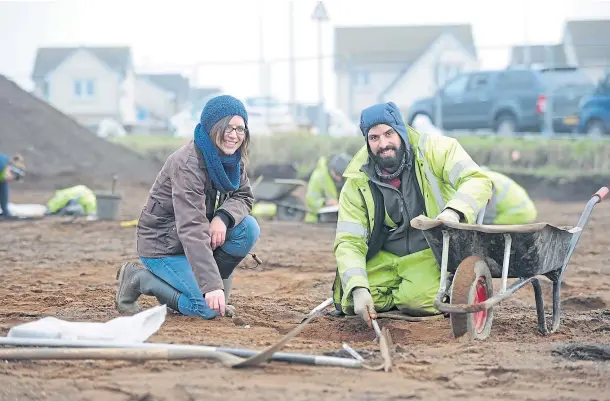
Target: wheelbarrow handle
x: 595, y: 199
x: 601, y: 193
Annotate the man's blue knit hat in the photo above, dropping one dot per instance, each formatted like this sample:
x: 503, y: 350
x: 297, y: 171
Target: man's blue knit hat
x: 220, y: 107
x: 383, y: 113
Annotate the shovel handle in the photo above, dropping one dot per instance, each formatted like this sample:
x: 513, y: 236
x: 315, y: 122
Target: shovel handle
x: 601, y: 193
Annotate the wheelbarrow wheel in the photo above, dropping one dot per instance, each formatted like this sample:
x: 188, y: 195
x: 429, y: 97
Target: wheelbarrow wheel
x: 472, y: 284
x: 288, y: 213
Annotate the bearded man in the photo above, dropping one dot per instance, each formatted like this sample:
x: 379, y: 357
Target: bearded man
x: 383, y: 263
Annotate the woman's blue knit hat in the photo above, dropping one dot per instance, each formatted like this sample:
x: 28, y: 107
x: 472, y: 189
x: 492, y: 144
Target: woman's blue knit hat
x: 220, y: 107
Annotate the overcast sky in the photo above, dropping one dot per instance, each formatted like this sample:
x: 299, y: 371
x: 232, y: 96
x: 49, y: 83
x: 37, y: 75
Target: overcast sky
x: 178, y: 34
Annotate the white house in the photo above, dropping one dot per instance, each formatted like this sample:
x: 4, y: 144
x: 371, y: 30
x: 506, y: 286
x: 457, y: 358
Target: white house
x: 377, y: 64
x: 587, y: 45
x: 158, y: 98
x: 89, y: 84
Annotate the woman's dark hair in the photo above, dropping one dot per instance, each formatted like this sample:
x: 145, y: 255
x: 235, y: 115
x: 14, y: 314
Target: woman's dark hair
x: 218, y: 133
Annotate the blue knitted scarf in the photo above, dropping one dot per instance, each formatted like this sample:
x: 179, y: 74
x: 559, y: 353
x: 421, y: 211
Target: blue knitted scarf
x: 224, y: 171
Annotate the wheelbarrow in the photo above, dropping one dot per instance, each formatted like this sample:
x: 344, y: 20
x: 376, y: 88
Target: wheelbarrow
x: 279, y: 192
x: 471, y: 255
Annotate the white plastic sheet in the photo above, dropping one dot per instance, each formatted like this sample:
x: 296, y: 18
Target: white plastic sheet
x: 124, y: 329
x: 27, y: 209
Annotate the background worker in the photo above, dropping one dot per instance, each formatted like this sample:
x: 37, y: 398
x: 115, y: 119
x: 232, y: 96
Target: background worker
x: 325, y: 184
x: 10, y: 170
x: 78, y: 200
x: 510, y: 203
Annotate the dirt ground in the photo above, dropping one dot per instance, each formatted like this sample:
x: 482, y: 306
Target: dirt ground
x: 67, y: 269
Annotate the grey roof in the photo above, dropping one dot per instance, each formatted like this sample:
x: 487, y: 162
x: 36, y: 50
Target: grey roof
x: 393, y: 44
x: 549, y: 55
x: 590, y: 38
x: 48, y: 58
x: 175, y: 83
x: 200, y: 94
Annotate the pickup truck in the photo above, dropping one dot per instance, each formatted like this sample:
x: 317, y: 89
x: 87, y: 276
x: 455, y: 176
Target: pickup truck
x: 509, y: 101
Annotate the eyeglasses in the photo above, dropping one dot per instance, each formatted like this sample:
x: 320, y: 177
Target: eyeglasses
x: 239, y: 130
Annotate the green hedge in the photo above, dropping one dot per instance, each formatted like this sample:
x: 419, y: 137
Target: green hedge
x: 540, y: 156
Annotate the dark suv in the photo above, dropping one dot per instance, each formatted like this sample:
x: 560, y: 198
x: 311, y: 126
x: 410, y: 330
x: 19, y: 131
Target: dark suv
x: 506, y: 101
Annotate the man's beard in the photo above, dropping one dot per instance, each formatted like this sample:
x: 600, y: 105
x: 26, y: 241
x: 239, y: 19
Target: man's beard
x: 389, y: 163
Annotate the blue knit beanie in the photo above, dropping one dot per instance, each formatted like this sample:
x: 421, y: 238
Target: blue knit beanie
x: 220, y: 107
x: 383, y: 113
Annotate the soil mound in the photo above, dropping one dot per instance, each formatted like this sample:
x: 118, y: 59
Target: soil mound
x: 58, y: 150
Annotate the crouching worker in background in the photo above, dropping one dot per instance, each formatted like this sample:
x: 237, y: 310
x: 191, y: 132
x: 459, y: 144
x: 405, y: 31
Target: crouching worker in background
x: 510, y: 203
x: 195, y: 227
x: 78, y: 200
x: 325, y: 184
x: 383, y: 263
x: 10, y: 170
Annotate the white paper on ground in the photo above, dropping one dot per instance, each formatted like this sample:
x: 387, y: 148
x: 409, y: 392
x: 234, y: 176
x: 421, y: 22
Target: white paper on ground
x: 329, y: 209
x: 124, y: 329
x: 27, y: 209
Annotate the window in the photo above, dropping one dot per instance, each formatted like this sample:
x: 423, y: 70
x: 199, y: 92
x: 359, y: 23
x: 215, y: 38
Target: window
x: 45, y: 90
x: 457, y: 86
x: 478, y: 82
x: 448, y: 71
x: 84, y: 88
x: 142, y: 114
x: 361, y: 78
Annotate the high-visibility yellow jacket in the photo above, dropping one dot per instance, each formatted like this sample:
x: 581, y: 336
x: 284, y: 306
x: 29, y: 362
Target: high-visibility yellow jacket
x: 320, y: 188
x: 447, y: 176
x: 510, y: 203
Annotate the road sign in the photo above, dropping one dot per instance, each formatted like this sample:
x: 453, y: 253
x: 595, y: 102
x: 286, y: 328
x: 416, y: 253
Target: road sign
x: 320, y: 13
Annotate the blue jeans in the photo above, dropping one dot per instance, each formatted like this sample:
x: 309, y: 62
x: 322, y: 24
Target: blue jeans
x: 176, y: 270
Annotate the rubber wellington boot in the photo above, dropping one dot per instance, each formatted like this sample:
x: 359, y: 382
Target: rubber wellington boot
x: 226, y: 262
x: 135, y: 280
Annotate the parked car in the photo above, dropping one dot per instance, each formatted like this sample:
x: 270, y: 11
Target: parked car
x: 507, y: 101
x: 594, y: 110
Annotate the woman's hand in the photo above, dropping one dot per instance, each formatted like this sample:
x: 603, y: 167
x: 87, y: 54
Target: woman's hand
x: 216, y: 300
x: 218, y: 232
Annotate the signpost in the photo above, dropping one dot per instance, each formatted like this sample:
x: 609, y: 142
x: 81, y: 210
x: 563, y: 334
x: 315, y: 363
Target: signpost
x: 320, y: 15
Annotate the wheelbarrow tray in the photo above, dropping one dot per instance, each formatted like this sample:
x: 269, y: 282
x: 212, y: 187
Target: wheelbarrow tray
x: 536, y: 249
x: 274, y: 190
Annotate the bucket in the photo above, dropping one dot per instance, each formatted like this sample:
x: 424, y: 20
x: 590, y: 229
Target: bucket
x: 108, y: 205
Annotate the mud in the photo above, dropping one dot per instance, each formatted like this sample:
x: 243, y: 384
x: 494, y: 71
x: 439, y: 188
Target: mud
x: 55, y: 267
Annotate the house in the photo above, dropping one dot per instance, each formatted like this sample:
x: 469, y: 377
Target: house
x: 587, y: 45
x: 398, y: 63
x: 89, y: 84
x: 158, y: 98
x: 551, y: 55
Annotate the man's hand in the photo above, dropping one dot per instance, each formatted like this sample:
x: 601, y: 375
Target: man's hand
x: 363, y: 305
x: 449, y: 215
x: 332, y: 202
x: 218, y: 232
x: 216, y: 300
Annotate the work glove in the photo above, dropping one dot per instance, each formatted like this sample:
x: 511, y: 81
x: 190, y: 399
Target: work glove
x: 363, y: 305
x: 449, y: 216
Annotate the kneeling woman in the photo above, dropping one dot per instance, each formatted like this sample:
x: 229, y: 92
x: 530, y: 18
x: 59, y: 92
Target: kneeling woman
x: 195, y: 227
